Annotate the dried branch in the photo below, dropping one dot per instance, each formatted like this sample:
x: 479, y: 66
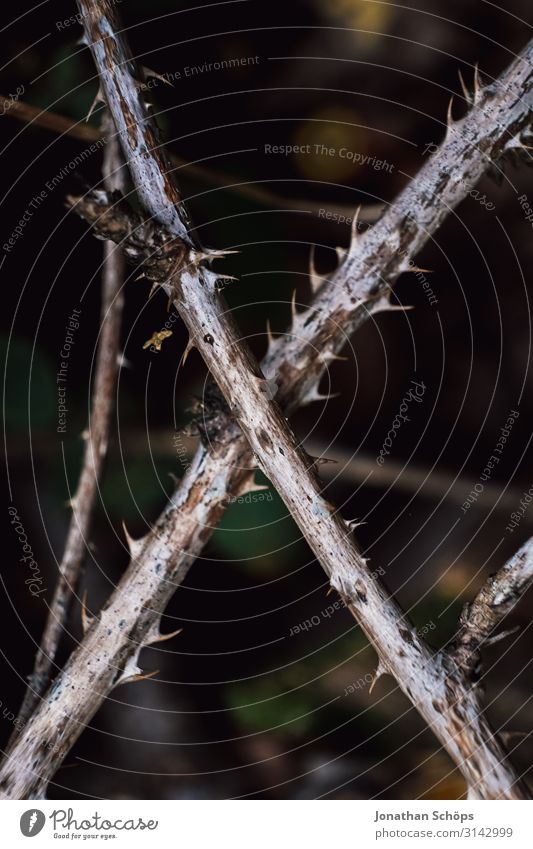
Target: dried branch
x: 433, y: 683
x: 496, y: 599
x: 96, y: 439
x: 56, y: 123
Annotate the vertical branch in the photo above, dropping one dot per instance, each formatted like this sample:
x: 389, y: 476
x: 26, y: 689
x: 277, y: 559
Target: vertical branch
x: 96, y: 439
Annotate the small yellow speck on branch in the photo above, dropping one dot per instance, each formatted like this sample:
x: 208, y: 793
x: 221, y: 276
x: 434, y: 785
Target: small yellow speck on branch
x: 157, y: 339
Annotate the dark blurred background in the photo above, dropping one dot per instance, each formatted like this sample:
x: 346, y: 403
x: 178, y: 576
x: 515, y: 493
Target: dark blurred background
x: 240, y: 707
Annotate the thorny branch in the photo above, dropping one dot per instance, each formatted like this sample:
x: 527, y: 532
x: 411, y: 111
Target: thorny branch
x: 434, y: 684
x: 496, y: 599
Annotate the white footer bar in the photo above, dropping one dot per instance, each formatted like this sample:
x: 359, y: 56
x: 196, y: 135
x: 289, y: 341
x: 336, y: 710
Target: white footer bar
x: 267, y: 824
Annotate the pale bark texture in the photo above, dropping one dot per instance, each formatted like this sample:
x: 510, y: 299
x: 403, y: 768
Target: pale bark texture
x: 481, y: 618
x: 436, y: 685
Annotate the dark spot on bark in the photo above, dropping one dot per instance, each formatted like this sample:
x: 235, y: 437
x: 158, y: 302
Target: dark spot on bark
x: 208, y: 339
x: 281, y: 451
x: 406, y: 636
x: 264, y: 440
x: 436, y: 706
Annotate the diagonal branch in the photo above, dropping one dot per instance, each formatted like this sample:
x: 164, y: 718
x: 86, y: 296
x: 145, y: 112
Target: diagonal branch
x: 493, y: 603
x: 431, y: 683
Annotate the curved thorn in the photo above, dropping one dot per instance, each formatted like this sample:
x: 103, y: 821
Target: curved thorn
x: 294, y: 314
x: 187, y: 351
x: 478, y: 84
x: 162, y: 638
x: 134, y: 545
x: 380, y: 671
x: 141, y: 676
x: 449, y: 113
x: 86, y: 619
x: 314, y: 278
x: 466, y: 93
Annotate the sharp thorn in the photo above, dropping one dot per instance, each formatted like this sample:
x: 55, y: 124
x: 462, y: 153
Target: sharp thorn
x: 98, y: 98
x: 478, y: 84
x: 162, y: 638
x: 249, y: 485
x: 352, y: 524
x: 134, y: 545
x: 320, y: 461
x: 270, y: 338
x: 354, y: 231
x: 329, y: 357
x: 377, y: 674
x: 208, y: 255
x: 314, y: 278
x: 140, y: 676
x: 149, y: 73
x: 189, y: 347
x: 449, y: 113
x: 507, y: 736
x: 294, y: 314
x: 341, y: 254
x: 502, y: 636
x: 313, y: 395
x: 466, y: 94
x: 388, y: 307
x: 86, y: 619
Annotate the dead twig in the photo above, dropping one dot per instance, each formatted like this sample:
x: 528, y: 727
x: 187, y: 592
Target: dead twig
x: 434, y: 684
x: 96, y: 440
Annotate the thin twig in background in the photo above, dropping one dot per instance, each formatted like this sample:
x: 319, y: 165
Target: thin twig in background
x: 499, y: 779
x: 433, y: 483
x: 95, y: 448
x: 56, y: 123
